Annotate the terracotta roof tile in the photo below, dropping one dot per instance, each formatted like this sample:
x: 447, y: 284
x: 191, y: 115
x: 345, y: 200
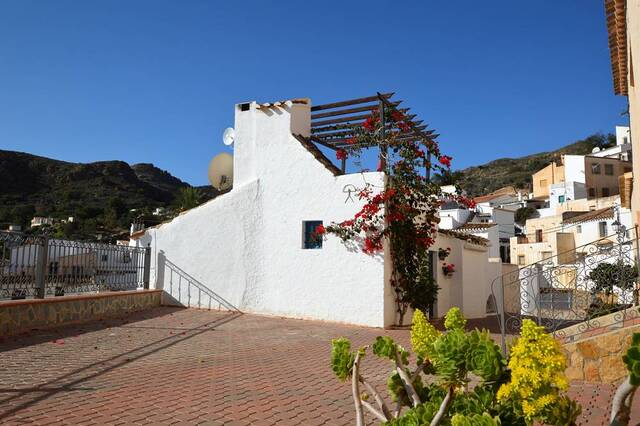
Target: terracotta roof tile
x: 602, y: 214
x: 465, y: 237
x: 473, y: 226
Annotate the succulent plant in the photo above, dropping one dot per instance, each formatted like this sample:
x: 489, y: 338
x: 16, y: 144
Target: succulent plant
x: 454, y: 319
x: 342, y: 358
x: 385, y: 347
x: 526, y: 390
x: 632, y: 360
x: 484, y: 358
x: 483, y: 419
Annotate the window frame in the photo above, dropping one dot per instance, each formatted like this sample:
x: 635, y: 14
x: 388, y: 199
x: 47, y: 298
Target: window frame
x: 308, y: 226
x: 608, y: 169
x: 602, y: 229
x: 596, y: 169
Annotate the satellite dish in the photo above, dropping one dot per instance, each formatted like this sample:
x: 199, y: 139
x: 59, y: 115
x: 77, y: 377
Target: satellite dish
x: 595, y: 149
x: 221, y: 171
x: 228, y: 136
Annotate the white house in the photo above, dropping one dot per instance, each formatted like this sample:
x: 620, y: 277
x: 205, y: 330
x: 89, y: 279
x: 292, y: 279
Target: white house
x: 563, y: 192
x: 253, y: 245
x: 495, y: 224
x: 39, y: 221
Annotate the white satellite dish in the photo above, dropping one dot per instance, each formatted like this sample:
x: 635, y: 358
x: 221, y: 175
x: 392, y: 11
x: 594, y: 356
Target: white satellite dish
x: 595, y: 149
x: 221, y: 171
x: 228, y: 136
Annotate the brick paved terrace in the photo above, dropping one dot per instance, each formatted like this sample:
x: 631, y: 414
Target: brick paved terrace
x: 167, y: 366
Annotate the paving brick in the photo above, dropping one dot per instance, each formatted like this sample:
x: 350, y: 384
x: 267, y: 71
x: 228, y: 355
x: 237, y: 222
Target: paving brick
x: 178, y: 366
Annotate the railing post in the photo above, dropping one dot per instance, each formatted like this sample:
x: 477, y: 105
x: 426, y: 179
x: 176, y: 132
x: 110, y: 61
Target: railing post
x: 42, y: 253
x: 147, y: 267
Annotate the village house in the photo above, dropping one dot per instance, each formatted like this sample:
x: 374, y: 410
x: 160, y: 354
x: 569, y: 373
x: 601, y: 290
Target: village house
x: 623, y: 26
x: 254, y: 245
x: 486, y: 220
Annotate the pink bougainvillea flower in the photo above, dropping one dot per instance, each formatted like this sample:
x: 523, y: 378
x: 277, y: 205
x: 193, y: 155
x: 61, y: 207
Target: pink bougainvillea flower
x: 320, y: 230
x: 341, y: 154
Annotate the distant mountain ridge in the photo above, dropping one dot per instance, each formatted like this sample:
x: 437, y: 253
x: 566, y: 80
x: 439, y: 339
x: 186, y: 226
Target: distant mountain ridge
x: 516, y: 172
x: 35, y: 185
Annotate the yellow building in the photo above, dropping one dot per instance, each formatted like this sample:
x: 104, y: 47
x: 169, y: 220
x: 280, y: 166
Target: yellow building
x: 551, y: 174
x: 623, y: 25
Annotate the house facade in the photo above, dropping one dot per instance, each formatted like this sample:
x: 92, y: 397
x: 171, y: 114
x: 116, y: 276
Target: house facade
x: 623, y: 26
x: 253, y: 245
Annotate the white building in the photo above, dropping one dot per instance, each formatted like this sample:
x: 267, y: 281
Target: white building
x: 495, y: 224
x: 253, y: 245
x: 563, y: 192
x: 621, y: 150
x: 39, y: 221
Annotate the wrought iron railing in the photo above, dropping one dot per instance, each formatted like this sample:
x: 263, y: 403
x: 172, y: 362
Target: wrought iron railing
x: 37, y: 266
x: 573, y: 288
x: 182, y: 289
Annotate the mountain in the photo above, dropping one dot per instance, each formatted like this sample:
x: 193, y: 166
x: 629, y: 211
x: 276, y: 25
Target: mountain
x: 103, y: 192
x: 516, y: 172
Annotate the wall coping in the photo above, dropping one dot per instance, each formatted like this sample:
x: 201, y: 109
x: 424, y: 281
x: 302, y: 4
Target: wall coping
x: 62, y: 299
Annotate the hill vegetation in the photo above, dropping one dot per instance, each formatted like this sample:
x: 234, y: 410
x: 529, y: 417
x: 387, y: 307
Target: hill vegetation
x: 516, y: 172
x: 103, y: 197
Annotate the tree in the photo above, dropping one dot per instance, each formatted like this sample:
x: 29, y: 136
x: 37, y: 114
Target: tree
x: 607, y: 276
x: 188, y: 198
x: 524, y: 213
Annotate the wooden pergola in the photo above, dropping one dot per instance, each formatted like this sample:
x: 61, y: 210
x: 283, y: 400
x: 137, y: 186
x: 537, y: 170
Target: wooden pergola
x: 334, y: 124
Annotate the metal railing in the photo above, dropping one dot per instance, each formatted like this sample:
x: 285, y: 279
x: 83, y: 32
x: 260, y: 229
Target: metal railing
x: 573, y: 288
x: 182, y: 289
x: 38, y: 266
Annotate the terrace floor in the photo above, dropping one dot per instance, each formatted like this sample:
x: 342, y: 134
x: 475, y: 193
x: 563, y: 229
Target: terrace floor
x: 167, y: 366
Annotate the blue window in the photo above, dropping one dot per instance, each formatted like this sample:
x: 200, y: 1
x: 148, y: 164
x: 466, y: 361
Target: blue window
x: 311, y: 239
x: 561, y: 198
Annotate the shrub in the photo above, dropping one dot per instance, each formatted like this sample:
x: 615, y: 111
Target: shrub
x: 529, y: 388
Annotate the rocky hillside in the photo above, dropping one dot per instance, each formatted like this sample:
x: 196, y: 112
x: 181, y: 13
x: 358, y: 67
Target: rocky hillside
x: 483, y: 179
x: 103, y: 192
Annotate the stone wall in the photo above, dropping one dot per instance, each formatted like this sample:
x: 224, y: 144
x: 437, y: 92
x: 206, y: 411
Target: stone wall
x: 19, y: 316
x: 599, y: 358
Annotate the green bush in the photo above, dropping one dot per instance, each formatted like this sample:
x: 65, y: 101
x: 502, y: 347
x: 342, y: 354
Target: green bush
x: 527, y: 389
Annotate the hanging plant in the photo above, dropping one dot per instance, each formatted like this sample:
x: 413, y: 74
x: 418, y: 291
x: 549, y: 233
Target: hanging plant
x: 443, y: 253
x: 448, y: 269
x: 405, y: 212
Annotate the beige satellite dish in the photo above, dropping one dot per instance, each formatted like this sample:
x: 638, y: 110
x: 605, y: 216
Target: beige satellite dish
x: 221, y: 171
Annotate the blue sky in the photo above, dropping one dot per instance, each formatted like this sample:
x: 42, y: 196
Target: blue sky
x: 156, y: 81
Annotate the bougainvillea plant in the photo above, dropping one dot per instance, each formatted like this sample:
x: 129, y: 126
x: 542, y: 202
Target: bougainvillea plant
x: 461, y: 378
x: 404, y: 212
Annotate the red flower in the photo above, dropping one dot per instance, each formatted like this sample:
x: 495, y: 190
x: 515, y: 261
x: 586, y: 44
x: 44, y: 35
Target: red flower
x: 370, y: 123
x: 397, y: 116
x: 371, y: 246
x: 320, y: 230
x: 341, y: 154
x: 445, y: 160
x: 352, y: 141
x: 404, y: 126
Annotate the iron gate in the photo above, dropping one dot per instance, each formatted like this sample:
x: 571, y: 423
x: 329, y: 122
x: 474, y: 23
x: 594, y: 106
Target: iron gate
x: 577, y: 287
x: 37, y: 266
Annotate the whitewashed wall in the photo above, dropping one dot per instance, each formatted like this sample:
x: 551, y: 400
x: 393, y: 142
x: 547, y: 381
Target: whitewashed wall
x: 246, y: 245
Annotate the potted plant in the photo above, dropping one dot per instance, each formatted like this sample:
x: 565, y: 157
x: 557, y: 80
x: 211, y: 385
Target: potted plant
x: 444, y: 253
x: 448, y: 269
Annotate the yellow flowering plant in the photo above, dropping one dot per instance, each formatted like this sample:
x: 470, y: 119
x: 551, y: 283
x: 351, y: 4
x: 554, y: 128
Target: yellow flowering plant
x: 462, y: 378
x: 538, y: 382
